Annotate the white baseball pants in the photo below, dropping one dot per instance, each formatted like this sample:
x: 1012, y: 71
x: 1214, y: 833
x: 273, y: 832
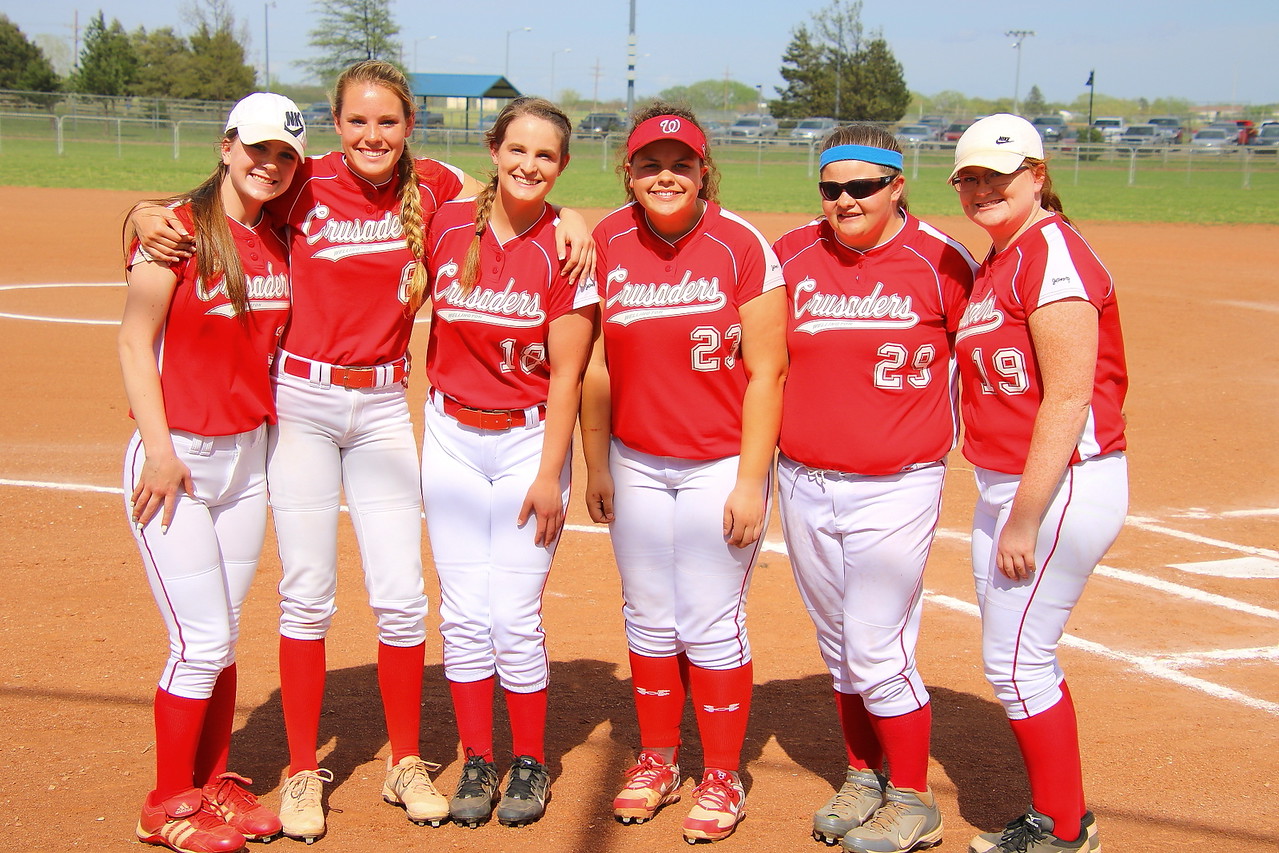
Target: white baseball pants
x: 858, y: 546
x: 1022, y: 621
x: 474, y: 482
x: 684, y: 587
x: 200, y: 570
x: 329, y: 441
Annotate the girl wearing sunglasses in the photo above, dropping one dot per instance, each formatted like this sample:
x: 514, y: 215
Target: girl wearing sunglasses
x: 1044, y: 378
x: 869, y: 413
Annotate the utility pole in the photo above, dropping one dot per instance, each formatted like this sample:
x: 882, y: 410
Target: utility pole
x: 630, y: 64
x: 1020, y: 36
x: 595, y: 95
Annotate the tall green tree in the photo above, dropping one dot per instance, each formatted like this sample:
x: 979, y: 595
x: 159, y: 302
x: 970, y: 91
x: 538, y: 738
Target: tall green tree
x: 164, y: 64
x: 832, y: 69
x: 23, y: 65
x: 218, y: 66
x: 108, y: 64
x: 350, y: 31
x: 1034, y: 104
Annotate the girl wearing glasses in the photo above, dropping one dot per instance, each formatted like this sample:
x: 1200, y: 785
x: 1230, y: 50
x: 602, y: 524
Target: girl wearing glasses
x: 679, y: 419
x: 1042, y: 363
x: 868, y: 416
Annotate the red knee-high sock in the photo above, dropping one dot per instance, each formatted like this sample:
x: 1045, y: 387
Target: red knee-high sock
x: 722, y: 700
x: 860, y: 741
x: 215, y: 738
x: 527, y: 713
x: 473, y: 707
x: 302, y: 670
x: 905, y: 740
x: 1049, y: 743
x: 659, y: 699
x: 399, y: 675
x: 1065, y: 692
x: 178, y: 723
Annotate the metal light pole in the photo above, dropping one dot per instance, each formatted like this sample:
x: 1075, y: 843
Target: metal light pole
x: 630, y: 64
x: 1020, y: 36
x: 506, y: 70
x: 266, y: 45
x: 554, y: 53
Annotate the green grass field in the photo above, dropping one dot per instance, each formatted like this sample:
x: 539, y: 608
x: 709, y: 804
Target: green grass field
x: 1207, y: 190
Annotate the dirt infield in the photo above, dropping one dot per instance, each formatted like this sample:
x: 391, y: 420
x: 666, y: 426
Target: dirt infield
x: 1173, y: 669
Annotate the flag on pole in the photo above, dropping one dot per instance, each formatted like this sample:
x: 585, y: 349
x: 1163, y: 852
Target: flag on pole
x: 1090, y: 76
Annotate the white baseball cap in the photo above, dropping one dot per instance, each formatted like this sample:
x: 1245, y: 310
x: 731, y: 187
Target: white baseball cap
x: 999, y: 142
x: 265, y: 115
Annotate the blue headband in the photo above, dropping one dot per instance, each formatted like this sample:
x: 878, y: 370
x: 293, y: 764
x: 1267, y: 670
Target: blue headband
x: 866, y: 153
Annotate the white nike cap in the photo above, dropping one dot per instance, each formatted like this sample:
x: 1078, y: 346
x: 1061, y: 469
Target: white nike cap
x: 265, y: 115
x: 999, y: 142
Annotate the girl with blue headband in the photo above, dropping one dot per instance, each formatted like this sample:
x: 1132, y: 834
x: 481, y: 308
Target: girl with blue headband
x: 868, y: 417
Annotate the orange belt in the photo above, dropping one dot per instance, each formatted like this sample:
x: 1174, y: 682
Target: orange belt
x: 495, y: 420
x: 345, y: 377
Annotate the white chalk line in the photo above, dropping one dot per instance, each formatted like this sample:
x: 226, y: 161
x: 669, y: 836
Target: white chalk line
x: 42, y: 319
x: 1164, y: 666
x: 1150, y: 525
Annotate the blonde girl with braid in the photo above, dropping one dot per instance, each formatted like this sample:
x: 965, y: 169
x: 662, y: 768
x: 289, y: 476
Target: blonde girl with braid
x: 356, y: 219
x: 509, y: 341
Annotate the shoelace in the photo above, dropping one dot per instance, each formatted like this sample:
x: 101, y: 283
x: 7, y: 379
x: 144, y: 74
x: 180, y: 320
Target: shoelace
x: 229, y: 789
x: 648, y: 773
x: 524, y: 778
x: 848, y: 795
x: 1020, y: 834
x: 415, y: 778
x: 303, y: 791
x: 719, y: 793
x: 886, y: 815
x: 478, y: 778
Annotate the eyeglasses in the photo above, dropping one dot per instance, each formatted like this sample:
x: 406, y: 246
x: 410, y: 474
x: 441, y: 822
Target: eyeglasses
x: 994, y: 180
x: 831, y: 191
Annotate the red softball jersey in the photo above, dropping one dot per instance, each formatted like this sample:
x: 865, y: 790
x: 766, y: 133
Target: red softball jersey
x: 1001, y: 381
x: 215, y: 366
x: 488, y: 348
x: 872, y: 387
x: 348, y: 251
x: 672, y: 330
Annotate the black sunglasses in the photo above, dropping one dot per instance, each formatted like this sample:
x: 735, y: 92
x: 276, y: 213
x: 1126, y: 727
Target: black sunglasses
x: 864, y: 188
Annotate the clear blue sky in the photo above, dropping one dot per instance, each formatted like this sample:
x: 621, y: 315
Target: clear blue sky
x: 1209, y: 53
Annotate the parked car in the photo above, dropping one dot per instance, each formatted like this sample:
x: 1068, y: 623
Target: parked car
x: 1142, y: 138
x: 811, y: 130
x: 1111, y: 127
x: 1052, y: 128
x: 318, y: 116
x: 1216, y: 140
x: 600, y: 124
x: 1267, y: 139
x: 917, y: 135
x: 427, y: 118
x: 1170, y: 127
x: 753, y: 127
x: 933, y: 121
x: 715, y: 129
x: 954, y: 131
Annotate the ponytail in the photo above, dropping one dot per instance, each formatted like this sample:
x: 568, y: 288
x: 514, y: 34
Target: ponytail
x: 414, y: 233
x: 1048, y: 198
x: 483, y: 209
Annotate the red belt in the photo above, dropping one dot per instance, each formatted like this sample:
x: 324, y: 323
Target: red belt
x: 345, y: 377
x: 495, y: 420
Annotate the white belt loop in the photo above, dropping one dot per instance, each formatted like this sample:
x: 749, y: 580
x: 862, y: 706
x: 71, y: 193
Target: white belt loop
x: 384, y: 374
x: 201, y: 445
x: 321, y: 374
x: 532, y: 417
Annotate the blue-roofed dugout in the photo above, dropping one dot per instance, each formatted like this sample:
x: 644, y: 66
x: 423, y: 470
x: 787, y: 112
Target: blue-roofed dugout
x: 463, y: 91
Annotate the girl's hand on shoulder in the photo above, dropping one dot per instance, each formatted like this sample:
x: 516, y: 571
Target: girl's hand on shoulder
x: 545, y: 501
x: 162, y: 235
x: 158, y: 488
x: 743, y: 516
x: 575, y: 246
x: 599, y: 497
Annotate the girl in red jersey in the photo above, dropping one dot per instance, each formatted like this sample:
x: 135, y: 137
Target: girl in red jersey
x: 195, y: 348
x: 509, y: 342
x: 357, y: 220
x: 868, y: 416
x: 1042, y: 361
x: 679, y: 421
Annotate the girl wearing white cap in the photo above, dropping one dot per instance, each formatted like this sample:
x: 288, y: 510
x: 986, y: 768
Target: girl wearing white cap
x: 869, y: 413
x: 195, y: 347
x: 679, y: 420
x: 1042, y: 363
